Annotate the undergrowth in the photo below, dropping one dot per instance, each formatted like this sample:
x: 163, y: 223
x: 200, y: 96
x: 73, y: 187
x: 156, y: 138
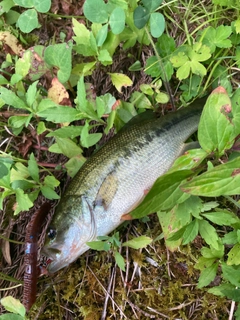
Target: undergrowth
x: 63, y: 95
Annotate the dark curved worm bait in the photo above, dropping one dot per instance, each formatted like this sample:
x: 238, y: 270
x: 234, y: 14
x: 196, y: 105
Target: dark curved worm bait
x: 31, y: 255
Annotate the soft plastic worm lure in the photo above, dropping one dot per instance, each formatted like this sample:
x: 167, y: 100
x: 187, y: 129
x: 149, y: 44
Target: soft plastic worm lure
x: 31, y: 255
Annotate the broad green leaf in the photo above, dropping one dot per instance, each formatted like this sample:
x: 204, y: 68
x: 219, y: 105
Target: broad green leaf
x: 190, y: 232
x: 6, y: 5
x: 234, y: 255
x: 66, y: 132
x: 11, y: 316
x: 141, y: 16
x: 164, y: 194
x: 24, y: 3
x: 51, y: 181
x: 74, y: 164
x: 138, y: 242
x: 157, y: 24
x: 19, y: 172
x: 212, y: 252
x: 203, y: 263
x: 230, y: 238
x: 162, y: 98
x: 11, y: 99
x: 89, y: 139
x: 60, y: 114
x: 102, y: 35
x: 96, y: 245
x: 104, y: 57
x: 42, y: 5
x: 120, y: 80
x: 33, y: 168
x: 221, y: 289
x: 60, y: 55
x: 119, y: 260
x: 3, y: 170
x: 81, y: 100
x: 222, y: 217
x: 13, y: 305
x: 49, y: 193
x: 95, y: 11
x: 217, y: 37
x: 23, y: 65
x: 187, y: 59
x: 117, y: 20
x: 28, y: 21
x: 190, y: 160
x: 86, y: 43
x: 231, y: 273
x: 232, y: 293
x: 31, y: 94
x: 208, y: 233
x: 66, y: 146
x: 216, y: 131
x: 207, y: 275
x: 152, y: 4
x: 220, y: 180
x: 23, y: 201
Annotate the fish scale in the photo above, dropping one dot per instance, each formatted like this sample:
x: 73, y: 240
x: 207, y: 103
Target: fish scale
x: 114, y: 181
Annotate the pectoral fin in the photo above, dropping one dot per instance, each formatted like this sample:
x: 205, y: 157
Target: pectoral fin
x: 107, y: 191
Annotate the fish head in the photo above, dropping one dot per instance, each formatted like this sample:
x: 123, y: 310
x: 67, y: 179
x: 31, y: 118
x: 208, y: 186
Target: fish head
x: 72, y: 226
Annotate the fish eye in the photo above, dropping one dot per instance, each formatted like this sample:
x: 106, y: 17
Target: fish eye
x: 51, y: 233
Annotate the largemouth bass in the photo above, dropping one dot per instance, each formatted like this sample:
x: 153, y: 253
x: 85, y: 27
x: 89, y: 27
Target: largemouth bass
x: 114, y: 181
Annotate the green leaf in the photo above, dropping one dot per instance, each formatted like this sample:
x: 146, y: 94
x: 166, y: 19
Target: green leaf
x: 42, y: 5
x: 138, y: 242
x: 152, y: 4
x: 33, y: 168
x: 67, y: 147
x: 120, y: 80
x: 97, y: 245
x: 234, y: 255
x: 157, y: 24
x: 207, y: 275
x: 11, y: 316
x: 141, y: 16
x: 119, y: 260
x: 51, y: 181
x: 95, y: 11
x: 230, y: 238
x: 23, y: 201
x: 19, y: 172
x: 104, y: 57
x: 187, y: 59
x: 231, y: 273
x: 117, y: 20
x: 11, y: 99
x: 163, y: 195
x: 31, y: 93
x: 66, y: 132
x: 102, y: 35
x: 217, y: 37
x: 74, y: 164
x: 218, y: 181
x: 24, y: 3
x: 28, y: 20
x: 212, y: 252
x: 89, y: 139
x: 190, y: 160
x: 60, y: 114
x: 216, y: 131
x: 13, y: 305
x: 221, y: 289
x: 49, y: 193
x: 3, y: 170
x: 190, y: 232
x: 60, y: 56
x: 208, y: 233
x: 222, y: 217
x: 22, y: 66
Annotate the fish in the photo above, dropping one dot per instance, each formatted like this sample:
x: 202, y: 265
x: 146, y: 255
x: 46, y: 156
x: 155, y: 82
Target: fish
x: 114, y: 180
